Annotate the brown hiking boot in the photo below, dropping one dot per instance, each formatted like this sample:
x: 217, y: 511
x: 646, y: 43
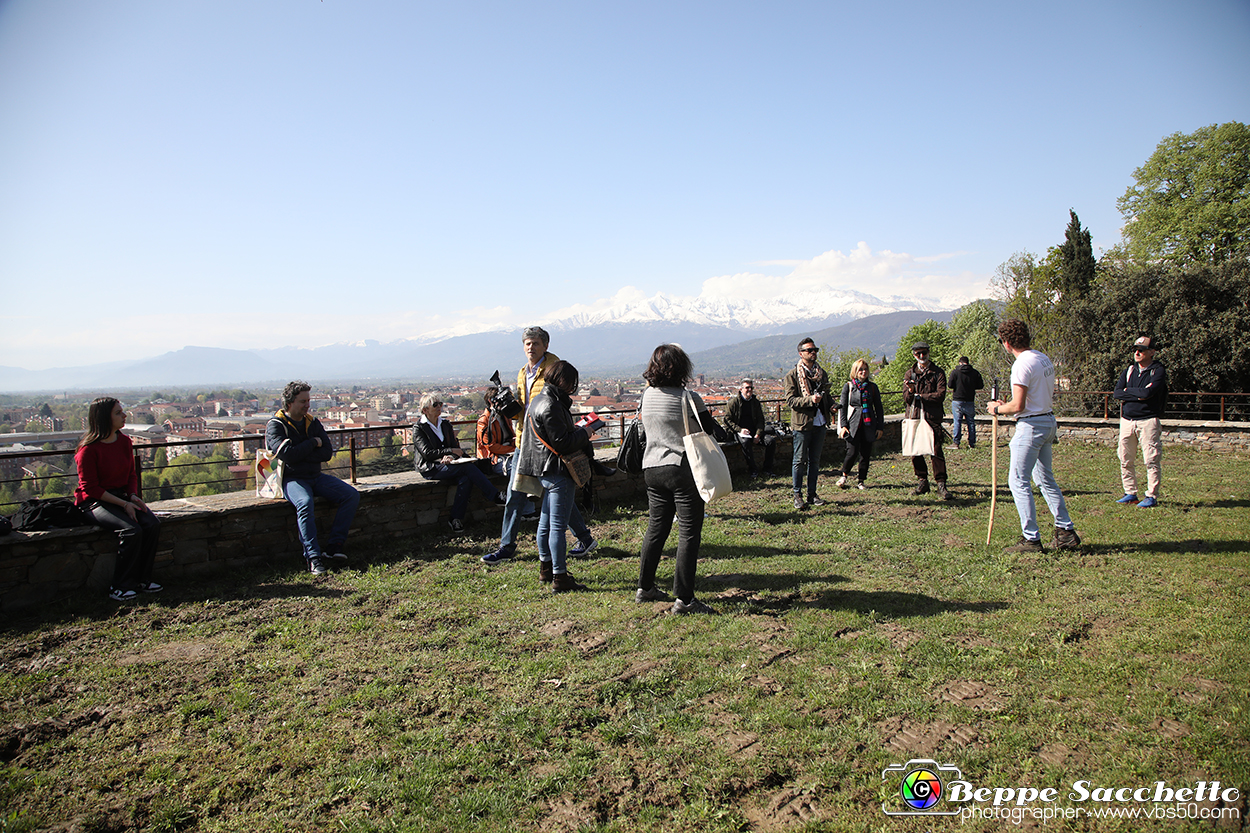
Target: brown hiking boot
x: 1066, y: 539
x: 544, y: 572
x: 922, y: 486
x: 565, y: 583
x: 942, y: 494
x: 1025, y: 545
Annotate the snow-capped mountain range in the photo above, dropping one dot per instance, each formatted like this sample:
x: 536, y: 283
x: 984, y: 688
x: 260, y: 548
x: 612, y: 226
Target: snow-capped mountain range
x: 827, y: 306
x: 617, y: 336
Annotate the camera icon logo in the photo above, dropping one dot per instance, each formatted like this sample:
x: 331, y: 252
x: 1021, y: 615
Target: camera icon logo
x: 921, y: 786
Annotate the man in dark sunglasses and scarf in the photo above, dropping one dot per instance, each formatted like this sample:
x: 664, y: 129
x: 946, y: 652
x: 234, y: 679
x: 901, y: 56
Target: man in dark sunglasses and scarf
x: 807, y: 393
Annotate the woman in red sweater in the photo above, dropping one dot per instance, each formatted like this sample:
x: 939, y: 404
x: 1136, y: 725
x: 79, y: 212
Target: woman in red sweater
x: 108, y: 487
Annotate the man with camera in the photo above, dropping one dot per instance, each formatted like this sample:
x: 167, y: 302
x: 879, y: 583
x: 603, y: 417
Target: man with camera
x: 530, y: 380
x: 496, y: 438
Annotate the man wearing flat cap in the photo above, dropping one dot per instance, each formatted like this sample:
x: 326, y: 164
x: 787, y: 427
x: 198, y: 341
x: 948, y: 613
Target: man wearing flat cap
x: 924, y: 391
x: 1143, y: 392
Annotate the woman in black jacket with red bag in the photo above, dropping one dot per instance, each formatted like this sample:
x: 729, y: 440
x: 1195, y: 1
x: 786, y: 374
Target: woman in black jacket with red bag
x: 550, y: 435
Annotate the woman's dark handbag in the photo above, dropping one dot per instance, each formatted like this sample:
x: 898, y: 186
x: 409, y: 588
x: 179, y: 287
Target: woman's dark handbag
x: 629, y: 458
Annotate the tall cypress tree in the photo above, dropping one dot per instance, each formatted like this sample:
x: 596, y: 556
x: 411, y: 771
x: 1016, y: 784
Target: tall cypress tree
x: 1077, y: 264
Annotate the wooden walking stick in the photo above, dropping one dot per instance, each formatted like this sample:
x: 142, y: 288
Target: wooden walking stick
x: 993, y: 466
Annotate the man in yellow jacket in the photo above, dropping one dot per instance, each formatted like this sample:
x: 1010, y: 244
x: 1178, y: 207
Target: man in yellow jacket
x: 530, y: 380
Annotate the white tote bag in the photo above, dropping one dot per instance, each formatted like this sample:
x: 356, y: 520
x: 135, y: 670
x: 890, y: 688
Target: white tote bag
x: 917, y: 438
x: 268, y: 471
x: 707, y: 459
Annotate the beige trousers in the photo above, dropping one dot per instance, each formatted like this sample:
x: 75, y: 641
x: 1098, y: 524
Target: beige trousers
x: 1147, y: 432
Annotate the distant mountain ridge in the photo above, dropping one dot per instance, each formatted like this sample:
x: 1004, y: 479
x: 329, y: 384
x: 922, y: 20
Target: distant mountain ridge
x: 723, y: 336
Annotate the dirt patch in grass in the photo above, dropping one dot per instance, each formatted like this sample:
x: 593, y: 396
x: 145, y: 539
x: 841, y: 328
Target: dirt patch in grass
x: 927, y: 739
x: 188, y: 652
x: 18, y: 739
x: 973, y: 694
x: 785, y: 809
x: 1169, y: 728
x: 898, y: 636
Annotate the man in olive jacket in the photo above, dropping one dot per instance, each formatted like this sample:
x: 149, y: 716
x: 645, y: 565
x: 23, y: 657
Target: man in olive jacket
x: 807, y: 393
x: 924, y: 391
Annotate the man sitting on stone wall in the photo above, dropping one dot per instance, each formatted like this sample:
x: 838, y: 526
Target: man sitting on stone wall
x: 301, y: 443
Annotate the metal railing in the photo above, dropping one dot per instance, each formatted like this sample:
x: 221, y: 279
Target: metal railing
x: 354, y: 441
x: 1095, y: 404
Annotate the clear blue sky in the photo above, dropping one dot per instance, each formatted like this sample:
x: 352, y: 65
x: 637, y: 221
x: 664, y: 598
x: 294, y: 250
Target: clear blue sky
x: 262, y: 174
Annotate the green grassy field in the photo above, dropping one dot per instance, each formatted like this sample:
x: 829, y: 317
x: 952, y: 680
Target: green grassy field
x: 422, y: 691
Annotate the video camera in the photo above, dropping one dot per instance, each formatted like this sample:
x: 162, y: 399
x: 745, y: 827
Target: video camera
x: 504, y: 403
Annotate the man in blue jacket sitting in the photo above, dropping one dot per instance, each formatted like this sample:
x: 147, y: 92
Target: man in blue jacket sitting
x: 301, y: 443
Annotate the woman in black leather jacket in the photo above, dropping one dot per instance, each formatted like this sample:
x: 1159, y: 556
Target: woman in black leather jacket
x: 438, y: 456
x: 550, y: 432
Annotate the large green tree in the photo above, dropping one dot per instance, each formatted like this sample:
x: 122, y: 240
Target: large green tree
x: 973, y: 333
x: 1198, y: 315
x: 1189, y: 204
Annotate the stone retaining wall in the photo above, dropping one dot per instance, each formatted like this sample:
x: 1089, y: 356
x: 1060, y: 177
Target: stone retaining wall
x: 204, y: 534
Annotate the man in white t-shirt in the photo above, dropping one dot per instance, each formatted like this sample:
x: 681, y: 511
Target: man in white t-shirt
x: 1032, y: 397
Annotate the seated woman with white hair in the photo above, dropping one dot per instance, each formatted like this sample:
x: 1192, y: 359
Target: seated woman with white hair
x: 438, y: 456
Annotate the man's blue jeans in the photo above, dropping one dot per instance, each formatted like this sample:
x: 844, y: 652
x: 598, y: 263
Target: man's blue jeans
x: 1031, y: 449
x: 519, y: 504
x: 559, y: 499
x: 965, y: 412
x: 807, y: 447
x: 301, y: 492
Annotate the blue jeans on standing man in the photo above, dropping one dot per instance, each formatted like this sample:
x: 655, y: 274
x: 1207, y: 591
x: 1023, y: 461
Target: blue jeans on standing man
x: 807, y: 447
x: 300, y: 493
x: 519, y: 504
x: 961, y: 412
x: 1031, y: 449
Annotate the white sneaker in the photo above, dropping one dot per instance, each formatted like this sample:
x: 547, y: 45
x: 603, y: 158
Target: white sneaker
x: 653, y: 595
x: 861, y: 486
x: 842, y: 482
x: 681, y: 608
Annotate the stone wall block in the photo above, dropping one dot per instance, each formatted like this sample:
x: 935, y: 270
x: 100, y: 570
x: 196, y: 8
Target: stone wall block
x: 190, y: 550
x: 11, y: 574
x: 62, y: 567
x: 24, y: 557
x: 102, y: 568
x: 30, y: 595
